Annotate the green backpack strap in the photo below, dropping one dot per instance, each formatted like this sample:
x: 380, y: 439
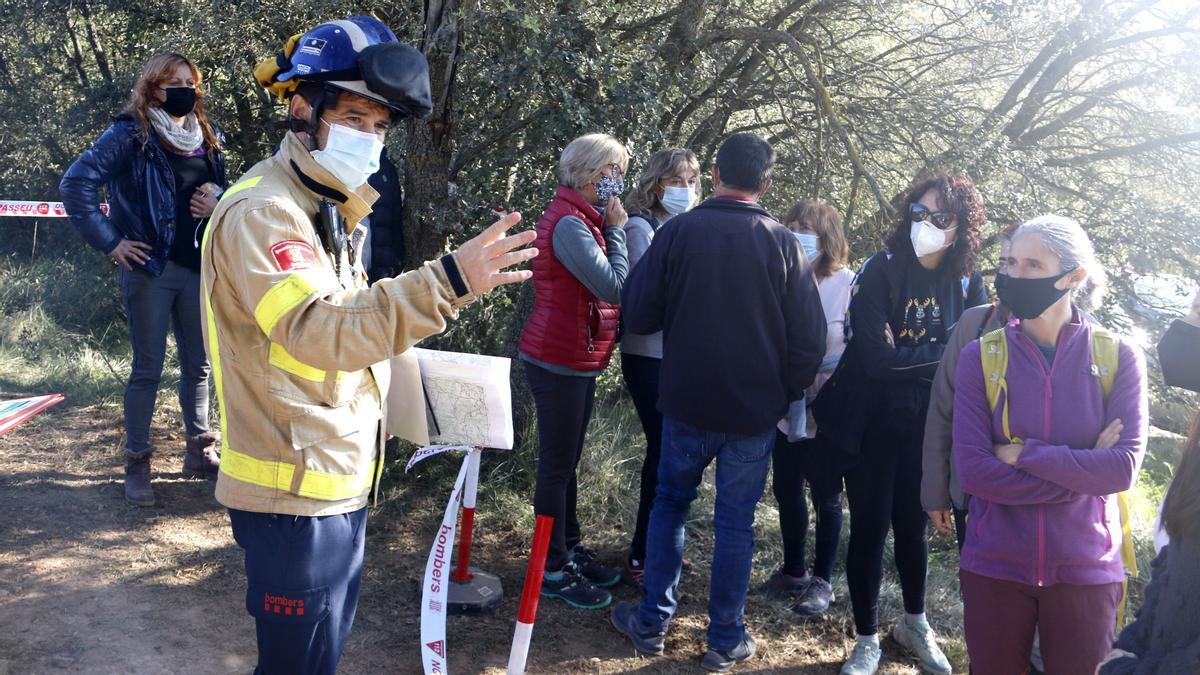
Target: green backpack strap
x: 1105, y: 358
x: 993, y: 351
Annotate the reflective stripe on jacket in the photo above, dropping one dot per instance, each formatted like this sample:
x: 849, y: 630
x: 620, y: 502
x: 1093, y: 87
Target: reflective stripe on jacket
x: 298, y: 352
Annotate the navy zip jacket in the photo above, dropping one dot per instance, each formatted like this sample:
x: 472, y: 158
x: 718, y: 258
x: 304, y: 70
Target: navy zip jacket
x: 743, y: 328
x: 140, y: 187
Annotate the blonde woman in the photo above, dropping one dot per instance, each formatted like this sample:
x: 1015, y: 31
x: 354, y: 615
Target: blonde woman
x: 162, y: 165
x: 668, y: 186
x: 567, y: 342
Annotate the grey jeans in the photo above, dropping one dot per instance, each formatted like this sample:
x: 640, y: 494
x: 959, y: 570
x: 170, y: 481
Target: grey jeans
x: 153, y: 304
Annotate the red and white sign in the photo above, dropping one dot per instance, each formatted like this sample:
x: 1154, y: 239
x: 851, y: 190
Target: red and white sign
x: 293, y: 255
x: 18, y: 410
x: 15, y: 208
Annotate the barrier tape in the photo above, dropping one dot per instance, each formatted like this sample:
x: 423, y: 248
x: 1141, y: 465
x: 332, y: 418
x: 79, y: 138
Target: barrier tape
x: 15, y: 208
x: 431, y: 450
x: 437, y: 578
x: 18, y: 410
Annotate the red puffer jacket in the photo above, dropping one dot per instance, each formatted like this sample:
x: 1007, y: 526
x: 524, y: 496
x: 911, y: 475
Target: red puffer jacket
x: 569, y: 326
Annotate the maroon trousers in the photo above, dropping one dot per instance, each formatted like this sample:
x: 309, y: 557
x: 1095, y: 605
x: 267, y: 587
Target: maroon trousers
x: 1076, y: 624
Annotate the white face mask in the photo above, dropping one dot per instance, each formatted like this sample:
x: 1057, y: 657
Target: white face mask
x: 927, y: 238
x: 350, y: 155
x: 676, y: 200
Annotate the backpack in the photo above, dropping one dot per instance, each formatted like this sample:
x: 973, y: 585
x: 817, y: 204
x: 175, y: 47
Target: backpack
x: 993, y: 350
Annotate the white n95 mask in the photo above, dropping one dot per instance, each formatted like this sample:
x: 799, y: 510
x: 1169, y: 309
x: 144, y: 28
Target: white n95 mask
x: 927, y: 238
x: 350, y: 155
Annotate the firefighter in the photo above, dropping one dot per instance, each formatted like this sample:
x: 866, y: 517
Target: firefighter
x: 299, y: 342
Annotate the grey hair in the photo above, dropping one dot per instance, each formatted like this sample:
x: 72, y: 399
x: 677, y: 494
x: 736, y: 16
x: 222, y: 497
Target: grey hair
x: 585, y: 156
x: 1066, y: 240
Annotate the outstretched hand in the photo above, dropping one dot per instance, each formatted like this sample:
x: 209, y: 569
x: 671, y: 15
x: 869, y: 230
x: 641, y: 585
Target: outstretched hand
x: 481, y: 259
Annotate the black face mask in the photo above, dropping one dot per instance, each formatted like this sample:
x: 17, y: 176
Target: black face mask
x: 1177, y: 352
x: 1028, y: 298
x: 180, y: 101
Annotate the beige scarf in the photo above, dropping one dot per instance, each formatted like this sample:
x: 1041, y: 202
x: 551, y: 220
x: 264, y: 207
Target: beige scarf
x: 184, y: 138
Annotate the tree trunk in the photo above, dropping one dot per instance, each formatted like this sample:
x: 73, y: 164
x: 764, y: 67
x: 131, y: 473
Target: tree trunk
x: 94, y: 42
x: 427, y: 215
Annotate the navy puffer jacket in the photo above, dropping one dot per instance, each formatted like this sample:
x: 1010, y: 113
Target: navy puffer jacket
x: 140, y: 186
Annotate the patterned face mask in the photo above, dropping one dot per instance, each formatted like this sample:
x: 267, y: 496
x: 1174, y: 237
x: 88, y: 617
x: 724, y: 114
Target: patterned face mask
x: 609, y: 187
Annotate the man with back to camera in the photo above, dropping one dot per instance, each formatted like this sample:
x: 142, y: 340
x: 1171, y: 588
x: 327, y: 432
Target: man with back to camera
x: 299, y: 342
x: 743, y: 334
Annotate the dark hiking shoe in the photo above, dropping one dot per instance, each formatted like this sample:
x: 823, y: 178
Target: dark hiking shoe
x: 815, y: 599
x: 201, y: 460
x: 645, y: 640
x: 575, y: 590
x: 785, y: 584
x: 720, y: 662
x: 137, y: 480
x: 591, y: 569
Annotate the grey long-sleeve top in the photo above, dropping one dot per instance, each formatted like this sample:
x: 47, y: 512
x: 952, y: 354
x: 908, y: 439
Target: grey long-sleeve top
x: 601, y: 273
x: 639, y: 235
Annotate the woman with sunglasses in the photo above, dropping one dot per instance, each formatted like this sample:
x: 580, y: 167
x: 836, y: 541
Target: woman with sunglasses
x: 163, y: 169
x: 567, y: 342
x: 668, y: 186
x: 908, y: 299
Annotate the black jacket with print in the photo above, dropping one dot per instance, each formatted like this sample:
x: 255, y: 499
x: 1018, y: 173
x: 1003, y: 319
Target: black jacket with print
x: 921, y: 306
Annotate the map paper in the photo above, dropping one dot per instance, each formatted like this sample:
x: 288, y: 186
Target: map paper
x: 466, y: 398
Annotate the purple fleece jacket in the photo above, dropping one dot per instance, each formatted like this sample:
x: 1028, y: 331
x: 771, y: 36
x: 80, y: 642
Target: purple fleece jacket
x: 1053, y: 518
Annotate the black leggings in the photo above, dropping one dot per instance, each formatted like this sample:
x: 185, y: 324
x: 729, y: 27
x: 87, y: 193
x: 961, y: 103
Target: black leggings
x: 884, y: 490
x: 788, y: 485
x: 641, y: 376
x: 564, y: 406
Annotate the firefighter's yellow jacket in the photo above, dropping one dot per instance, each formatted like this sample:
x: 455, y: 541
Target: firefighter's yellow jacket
x: 299, y: 343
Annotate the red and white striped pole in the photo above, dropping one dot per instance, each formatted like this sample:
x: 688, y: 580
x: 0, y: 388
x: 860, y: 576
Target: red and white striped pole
x: 462, y: 572
x: 529, y: 596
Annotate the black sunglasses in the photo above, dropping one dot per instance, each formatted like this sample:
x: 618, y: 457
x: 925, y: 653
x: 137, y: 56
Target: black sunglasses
x: 941, y: 219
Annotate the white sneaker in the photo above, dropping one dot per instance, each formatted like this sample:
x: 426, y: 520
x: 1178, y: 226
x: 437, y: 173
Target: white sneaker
x: 921, y: 641
x: 864, y: 660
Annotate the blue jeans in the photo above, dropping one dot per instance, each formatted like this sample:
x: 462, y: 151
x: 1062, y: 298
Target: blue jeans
x: 742, y: 463
x: 153, y: 305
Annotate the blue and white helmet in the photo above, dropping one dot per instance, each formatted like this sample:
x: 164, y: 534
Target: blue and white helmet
x: 361, y: 56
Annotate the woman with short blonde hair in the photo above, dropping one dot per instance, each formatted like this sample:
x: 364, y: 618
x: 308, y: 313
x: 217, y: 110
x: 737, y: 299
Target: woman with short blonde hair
x: 587, y: 155
x: 668, y: 186
x: 567, y: 342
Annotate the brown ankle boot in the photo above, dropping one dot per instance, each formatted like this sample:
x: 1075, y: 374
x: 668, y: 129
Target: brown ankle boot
x: 137, y: 480
x: 201, y: 460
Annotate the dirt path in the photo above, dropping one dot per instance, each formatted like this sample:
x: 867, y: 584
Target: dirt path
x: 89, y: 584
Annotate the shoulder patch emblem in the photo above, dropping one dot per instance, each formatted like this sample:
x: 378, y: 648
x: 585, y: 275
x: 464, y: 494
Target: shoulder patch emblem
x: 293, y: 255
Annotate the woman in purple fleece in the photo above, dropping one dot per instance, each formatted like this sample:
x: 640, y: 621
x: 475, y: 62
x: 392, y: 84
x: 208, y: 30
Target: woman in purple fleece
x: 1043, y: 544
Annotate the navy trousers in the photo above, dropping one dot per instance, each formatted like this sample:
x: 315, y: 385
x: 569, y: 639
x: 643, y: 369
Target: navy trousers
x: 302, y: 578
